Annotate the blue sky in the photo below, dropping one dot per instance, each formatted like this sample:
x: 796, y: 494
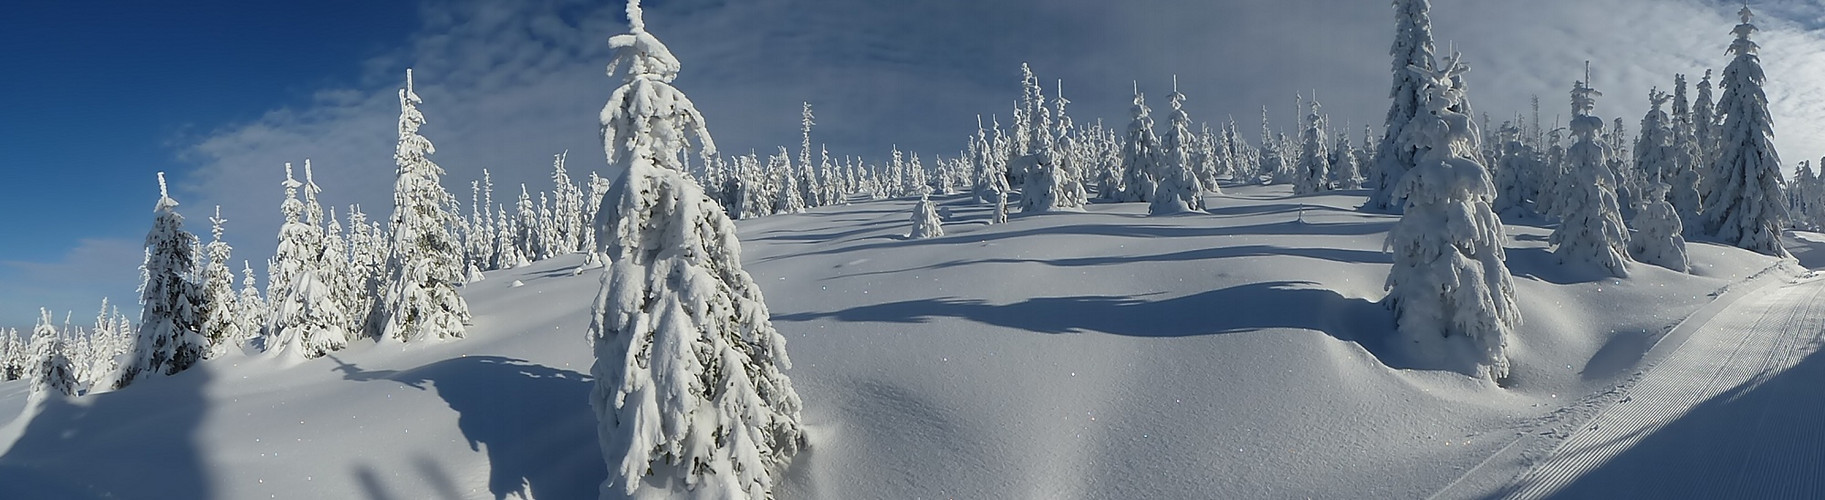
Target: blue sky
x: 221, y: 94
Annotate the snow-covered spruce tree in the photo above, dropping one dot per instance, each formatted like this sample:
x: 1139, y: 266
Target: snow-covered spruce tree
x: 1345, y: 171
x: 1705, y: 132
x: 251, y: 318
x: 1657, y: 238
x: 1687, y: 155
x: 1178, y: 190
x: 13, y: 356
x: 424, y: 262
x: 221, y: 309
x: 1140, y: 154
x: 689, y: 389
x: 1044, y: 179
x: 1412, y: 48
x: 567, y: 210
x: 1313, y: 169
x: 294, y: 258
x: 1590, y: 228
x: 1511, y: 169
x: 788, y: 199
x: 527, y: 238
x: 1068, y: 192
x: 1452, y: 294
x: 52, y: 370
x: 170, y: 304
x: 1274, y: 166
x: 1654, y: 147
x: 367, y: 263
x: 338, y: 272
x: 925, y: 221
x: 1747, y: 206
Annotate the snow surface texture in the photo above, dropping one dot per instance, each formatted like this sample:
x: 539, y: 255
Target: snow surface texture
x: 1102, y: 354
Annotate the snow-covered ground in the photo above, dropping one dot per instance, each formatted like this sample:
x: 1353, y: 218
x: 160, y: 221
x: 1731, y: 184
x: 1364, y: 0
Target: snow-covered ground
x: 1104, y: 354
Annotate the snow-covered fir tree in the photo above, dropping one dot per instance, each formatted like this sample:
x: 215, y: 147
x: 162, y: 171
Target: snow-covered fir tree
x: 221, y: 309
x: 527, y: 237
x: 1346, y: 173
x: 689, y: 389
x: 1657, y: 239
x: 788, y: 199
x: 925, y: 221
x: 1178, y: 189
x: 1687, y: 157
x: 1747, y: 206
x: 294, y: 258
x: 250, y: 320
x: 1068, y: 191
x: 1590, y: 229
x: 1654, y: 148
x: 1453, y: 296
x: 1140, y: 154
x: 567, y: 209
x: 1516, y: 165
x: 1705, y: 131
x: 1412, y: 48
x: 169, y: 339
x: 1314, y: 168
x: 424, y: 263
x: 12, y: 356
x: 52, y: 370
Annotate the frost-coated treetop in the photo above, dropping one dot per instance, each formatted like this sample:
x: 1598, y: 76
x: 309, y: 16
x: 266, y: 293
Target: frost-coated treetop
x: 646, y: 120
x: 1412, y: 48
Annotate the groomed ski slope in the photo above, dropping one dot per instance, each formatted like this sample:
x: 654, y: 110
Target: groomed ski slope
x: 1103, y: 354
x: 1733, y: 411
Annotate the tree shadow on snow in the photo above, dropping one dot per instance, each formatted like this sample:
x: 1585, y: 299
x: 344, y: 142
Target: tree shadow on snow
x: 1251, y: 307
x: 137, y: 442
x: 1214, y: 253
x: 1757, y: 440
x: 1543, y: 265
x: 534, y: 420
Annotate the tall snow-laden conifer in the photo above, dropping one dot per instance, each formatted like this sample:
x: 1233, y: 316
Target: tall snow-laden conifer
x: 169, y: 339
x: 1313, y: 170
x: 1590, y: 228
x: 251, y: 318
x: 1140, y: 154
x: 1687, y: 157
x: 221, y: 309
x: 424, y: 262
x: 1412, y: 48
x: 1345, y: 170
x: 689, y: 390
x: 1747, y: 205
x: 1705, y: 131
x: 1453, y: 296
x: 1178, y: 189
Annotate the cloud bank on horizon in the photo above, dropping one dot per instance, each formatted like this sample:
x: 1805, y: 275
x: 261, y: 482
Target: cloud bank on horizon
x: 508, y: 84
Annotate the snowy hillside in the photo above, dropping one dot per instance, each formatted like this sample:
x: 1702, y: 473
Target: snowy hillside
x: 1103, y: 354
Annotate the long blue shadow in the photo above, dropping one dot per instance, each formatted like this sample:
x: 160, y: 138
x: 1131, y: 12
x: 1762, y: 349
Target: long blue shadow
x: 534, y: 421
x: 138, y: 442
x: 1241, y: 308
